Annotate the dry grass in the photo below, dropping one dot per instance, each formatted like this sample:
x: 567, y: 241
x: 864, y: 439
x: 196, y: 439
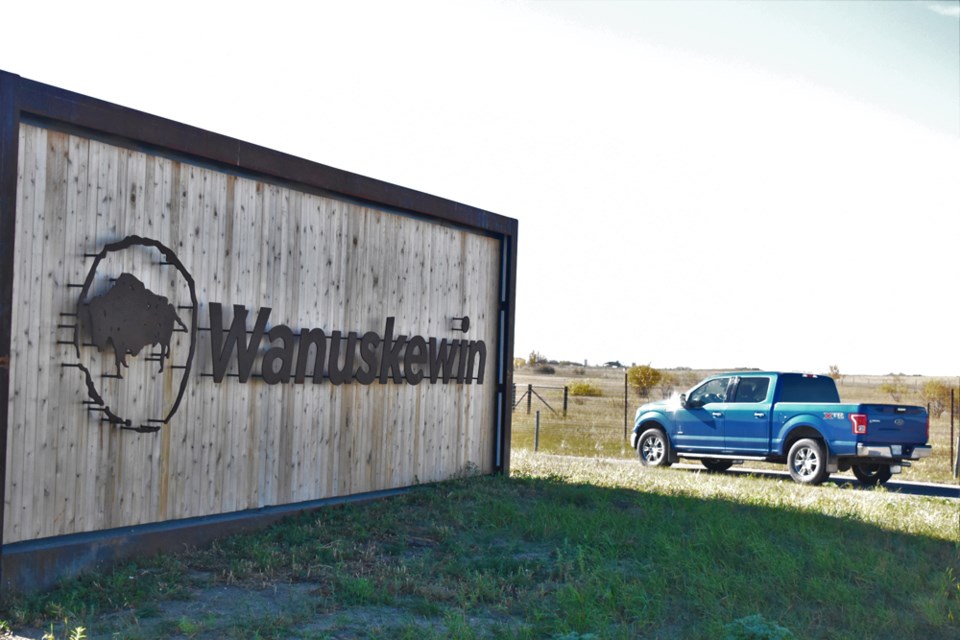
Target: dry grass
x: 595, y: 426
x: 930, y: 517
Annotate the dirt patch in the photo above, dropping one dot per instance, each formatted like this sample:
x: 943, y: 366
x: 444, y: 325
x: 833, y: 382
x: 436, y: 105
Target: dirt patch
x: 294, y: 610
x: 293, y: 606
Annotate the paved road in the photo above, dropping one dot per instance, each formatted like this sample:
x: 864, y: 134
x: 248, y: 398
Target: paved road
x: 894, y: 486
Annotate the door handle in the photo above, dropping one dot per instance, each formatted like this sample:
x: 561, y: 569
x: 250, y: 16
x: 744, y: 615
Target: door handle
x: 759, y: 414
x: 717, y: 414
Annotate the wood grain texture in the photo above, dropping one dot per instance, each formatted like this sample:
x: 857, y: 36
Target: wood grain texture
x: 316, y: 261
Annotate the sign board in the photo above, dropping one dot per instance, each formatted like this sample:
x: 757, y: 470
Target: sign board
x: 192, y: 327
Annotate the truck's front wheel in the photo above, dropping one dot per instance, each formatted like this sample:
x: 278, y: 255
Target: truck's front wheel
x: 654, y: 448
x: 872, y: 474
x: 807, y: 461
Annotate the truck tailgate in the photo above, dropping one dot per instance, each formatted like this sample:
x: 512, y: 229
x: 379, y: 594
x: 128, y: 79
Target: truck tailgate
x: 894, y: 424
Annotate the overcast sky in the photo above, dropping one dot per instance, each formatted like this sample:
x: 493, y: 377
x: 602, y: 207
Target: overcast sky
x: 702, y: 184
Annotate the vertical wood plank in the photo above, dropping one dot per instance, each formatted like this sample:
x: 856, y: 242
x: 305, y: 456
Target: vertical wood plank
x: 71, y: 395
x: 19, y: 492
x: 50, y: 374
x: 227, y: 415
x: 13, y: 498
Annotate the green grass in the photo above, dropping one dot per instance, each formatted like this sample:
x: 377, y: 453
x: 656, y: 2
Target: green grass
x: 564, y: 548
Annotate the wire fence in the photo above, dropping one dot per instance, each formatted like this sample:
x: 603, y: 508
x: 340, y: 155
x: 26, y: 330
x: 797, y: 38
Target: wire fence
x: 556, y: 419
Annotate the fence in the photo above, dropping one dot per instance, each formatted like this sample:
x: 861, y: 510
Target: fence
x: 530, y: 392
x: 575, y: 424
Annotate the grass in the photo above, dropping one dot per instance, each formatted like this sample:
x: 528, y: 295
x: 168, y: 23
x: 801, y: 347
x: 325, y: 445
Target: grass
x: 594, y: 426
x: 569, y: 548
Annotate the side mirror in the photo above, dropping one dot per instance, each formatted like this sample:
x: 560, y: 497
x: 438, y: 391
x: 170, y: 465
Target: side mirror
x: 683, y: 400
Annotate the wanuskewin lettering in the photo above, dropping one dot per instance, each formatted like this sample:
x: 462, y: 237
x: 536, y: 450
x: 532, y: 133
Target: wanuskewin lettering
x: 315, y: 355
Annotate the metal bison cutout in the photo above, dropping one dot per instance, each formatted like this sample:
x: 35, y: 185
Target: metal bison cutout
x: 130, y: 317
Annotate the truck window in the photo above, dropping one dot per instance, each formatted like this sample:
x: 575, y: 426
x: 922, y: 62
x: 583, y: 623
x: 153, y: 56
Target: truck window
x: 712, y: 391
x: 807, y: 388
x: 752, y: 390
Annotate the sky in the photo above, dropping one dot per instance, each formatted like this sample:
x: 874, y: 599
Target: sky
x: 698, y: 184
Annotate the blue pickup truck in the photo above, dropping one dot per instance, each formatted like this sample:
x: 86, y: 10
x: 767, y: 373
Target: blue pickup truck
x: 781, y: 417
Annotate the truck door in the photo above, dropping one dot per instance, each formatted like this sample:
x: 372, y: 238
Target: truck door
x: 700, y: 423
x: 746, y: 419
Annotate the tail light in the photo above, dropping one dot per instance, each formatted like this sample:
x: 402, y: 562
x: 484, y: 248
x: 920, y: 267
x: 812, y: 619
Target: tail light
x: 859, y: 423
x: 928, y: 428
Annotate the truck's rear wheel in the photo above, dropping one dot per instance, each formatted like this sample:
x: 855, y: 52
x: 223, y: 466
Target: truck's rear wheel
x: 872, y: 474
x: 807, y: 461
x: 713, y: 464
x: 653, y: 448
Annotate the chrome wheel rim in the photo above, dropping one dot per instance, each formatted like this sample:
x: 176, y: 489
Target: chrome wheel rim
x: 652, y: 449
x: 806, y: 462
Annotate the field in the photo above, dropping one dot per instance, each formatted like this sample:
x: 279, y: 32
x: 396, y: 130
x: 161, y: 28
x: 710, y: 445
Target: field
x: 594, y: 426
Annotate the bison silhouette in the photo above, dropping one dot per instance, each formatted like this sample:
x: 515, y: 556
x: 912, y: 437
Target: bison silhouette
x: 130, y: 317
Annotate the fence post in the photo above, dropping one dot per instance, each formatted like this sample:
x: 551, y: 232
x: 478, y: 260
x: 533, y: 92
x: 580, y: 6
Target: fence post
x: 529, y: 397
x: 625, y: 400
x: 536, y: 434
x: 952, y: 411
x: 565, y: 402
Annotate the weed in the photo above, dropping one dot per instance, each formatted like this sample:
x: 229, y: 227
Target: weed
x: 189, y: 627
x: 69, y: 633
x: 353, y: 590
x: 756, y: 627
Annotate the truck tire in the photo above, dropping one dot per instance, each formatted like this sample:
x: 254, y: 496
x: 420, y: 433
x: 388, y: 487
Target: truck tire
x: 807, y: 461
x: 653, y: 448
x: 715, y: 465
x: 872, y: 474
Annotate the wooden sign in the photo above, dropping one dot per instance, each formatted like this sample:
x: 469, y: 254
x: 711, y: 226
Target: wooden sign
x: 194, y: 327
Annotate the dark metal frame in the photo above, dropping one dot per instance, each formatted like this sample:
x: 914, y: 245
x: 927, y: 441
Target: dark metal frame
x: 27, y: 100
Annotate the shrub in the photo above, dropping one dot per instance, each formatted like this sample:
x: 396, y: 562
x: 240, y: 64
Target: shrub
x: 937, y: 395
x: 643, y: 378
x: 895, y: 387
x: 584, y: 389
x: 667, y: 384
x: 546, y: 369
